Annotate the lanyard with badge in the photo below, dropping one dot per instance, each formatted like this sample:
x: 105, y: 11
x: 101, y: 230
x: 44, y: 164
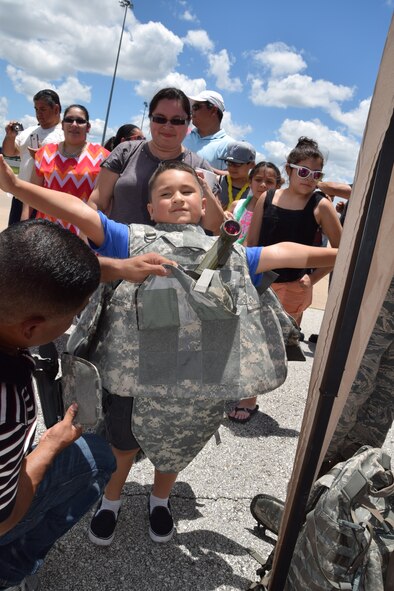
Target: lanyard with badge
x: 238, y: 196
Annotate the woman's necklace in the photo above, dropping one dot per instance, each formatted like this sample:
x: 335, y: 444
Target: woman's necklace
x: 72, y: 154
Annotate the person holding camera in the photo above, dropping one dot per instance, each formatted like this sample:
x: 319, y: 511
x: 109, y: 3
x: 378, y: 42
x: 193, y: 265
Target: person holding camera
x: 25, y: 142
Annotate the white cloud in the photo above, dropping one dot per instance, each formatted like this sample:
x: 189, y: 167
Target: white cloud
x: 71, y: 90
x: 237, y: 131
x: 354, y: 120
x: 298, y: 90
x: 219, y: 67
x: 280, y: 59
x: 59, y: 45
x: 340, y: 151
x: 188, y: 16
x: 199, y: 39
x: 147, y: 88
x: 3, y: 112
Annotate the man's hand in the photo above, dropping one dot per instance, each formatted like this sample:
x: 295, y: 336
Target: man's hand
x: 135, y: 269
x: 7, y: 177
x: 63, y: 433
x: 9, y: 129
x: 32, y: 151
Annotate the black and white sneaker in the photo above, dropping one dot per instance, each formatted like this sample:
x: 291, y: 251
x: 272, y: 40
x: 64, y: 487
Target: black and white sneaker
x: 102, y: 527
x: 161, y: 523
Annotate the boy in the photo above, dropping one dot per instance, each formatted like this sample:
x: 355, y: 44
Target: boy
x: 47, y: 276
x: 240, y: 159
x: 171, y: 420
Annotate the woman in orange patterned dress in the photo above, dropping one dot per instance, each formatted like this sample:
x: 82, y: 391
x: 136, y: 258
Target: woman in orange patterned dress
x: 70, y: 166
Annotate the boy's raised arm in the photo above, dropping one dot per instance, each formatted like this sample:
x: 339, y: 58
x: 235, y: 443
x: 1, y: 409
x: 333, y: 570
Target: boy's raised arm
x: 61, y: 205
x: 295, y: 256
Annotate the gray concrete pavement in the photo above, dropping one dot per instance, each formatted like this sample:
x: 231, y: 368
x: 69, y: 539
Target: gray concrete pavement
x: 210, y: 503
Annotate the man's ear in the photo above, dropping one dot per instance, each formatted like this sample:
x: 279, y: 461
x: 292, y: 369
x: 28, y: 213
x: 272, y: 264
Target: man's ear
x: 30, y: 325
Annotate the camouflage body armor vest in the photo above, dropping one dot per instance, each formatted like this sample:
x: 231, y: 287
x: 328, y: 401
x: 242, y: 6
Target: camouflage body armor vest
x: 181, y: 349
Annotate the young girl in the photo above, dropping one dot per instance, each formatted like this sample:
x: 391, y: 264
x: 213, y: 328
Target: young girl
x: 262, y: 177
x: 293, y: 214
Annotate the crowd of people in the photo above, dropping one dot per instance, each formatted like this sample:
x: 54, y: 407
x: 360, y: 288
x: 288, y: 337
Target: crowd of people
x: 145, y: 207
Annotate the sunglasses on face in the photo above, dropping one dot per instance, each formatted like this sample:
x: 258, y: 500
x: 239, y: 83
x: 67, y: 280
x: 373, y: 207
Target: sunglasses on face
x: 77, y: 120
x: 304, y: 172
x: 135, y: 137
x: 163, y: 120
x: 198, y: 106
x: 235, y: 164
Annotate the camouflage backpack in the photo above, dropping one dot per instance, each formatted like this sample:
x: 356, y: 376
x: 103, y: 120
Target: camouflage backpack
x: 347, y: 540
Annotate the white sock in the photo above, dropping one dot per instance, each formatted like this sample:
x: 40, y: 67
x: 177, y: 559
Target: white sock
x: 110, y: 505
x: 156, y: 502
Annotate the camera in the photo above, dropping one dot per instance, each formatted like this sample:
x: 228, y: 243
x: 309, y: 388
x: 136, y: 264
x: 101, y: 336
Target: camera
x: 17, y: 127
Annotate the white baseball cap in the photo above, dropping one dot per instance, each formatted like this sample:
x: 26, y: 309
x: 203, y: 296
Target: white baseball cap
x: 209, y: 96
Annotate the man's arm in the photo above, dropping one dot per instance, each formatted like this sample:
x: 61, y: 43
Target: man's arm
x: 9, y: 148
x: 295, y: 256
x: 135, y: 269
x: 60, y: 205
x: 36, y: 463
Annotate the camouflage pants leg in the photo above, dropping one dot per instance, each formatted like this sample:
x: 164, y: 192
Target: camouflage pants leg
x: 369, y: 410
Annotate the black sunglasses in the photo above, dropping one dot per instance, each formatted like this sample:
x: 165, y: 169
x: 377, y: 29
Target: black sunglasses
x: 163, y: 120
x: 198, y: 106
x: 77, y: 120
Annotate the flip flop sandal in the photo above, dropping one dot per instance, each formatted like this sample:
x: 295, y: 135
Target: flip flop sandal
x: 250, y: 411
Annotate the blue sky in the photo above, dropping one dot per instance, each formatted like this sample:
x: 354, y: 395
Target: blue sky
x: 284, y: 68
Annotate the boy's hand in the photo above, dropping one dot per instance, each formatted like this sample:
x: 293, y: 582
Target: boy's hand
x: 135, y: 269
x: 7, y: 177
x: 63, y: 433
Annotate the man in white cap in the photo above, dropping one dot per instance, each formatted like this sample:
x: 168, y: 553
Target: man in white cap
x: 208, y: 140
x: 240, y: 157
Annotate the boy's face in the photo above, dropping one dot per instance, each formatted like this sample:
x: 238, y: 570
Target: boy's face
x: 36, y: 330
x: 176, y: 198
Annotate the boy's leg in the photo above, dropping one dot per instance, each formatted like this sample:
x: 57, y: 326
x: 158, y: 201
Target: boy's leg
x: 161, y: 522
x: 124, y: 461
x: 71, y: 486
x: 117, y: 421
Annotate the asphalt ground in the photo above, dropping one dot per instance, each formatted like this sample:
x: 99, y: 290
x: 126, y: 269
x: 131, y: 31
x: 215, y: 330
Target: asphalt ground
x: 210, y: 501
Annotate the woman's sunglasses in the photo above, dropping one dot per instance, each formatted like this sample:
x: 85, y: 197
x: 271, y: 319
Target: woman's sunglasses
x: 77, y: 120
x: 163, y: 120
x: 304, y: 172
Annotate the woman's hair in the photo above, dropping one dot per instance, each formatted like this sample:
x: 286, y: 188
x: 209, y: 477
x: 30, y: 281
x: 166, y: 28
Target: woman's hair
x: 125, y: 131
x: 170, y: 94
x: 305, y: 148
x: 265, y: 164
x: 171, y: 165
x: 81, y: 107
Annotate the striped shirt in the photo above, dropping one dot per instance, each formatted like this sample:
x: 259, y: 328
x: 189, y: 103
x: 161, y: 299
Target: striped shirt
x: 18, y: 418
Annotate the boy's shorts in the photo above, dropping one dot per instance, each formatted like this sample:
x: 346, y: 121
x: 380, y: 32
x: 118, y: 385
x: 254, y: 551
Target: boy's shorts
x: 117, y: 420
